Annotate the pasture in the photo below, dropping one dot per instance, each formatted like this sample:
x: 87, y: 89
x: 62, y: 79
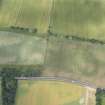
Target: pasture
x: 50, y: 93
x: 82, y: 18
x: 76, y: 59
x: 20, y: 49
x: 25, y: 13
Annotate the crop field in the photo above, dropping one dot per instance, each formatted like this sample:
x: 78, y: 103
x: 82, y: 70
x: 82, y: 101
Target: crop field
x: 20, y: 49
x: 50, y: 93
x: 25, y: 13
x: 76, y: 59
x: 83, y: 18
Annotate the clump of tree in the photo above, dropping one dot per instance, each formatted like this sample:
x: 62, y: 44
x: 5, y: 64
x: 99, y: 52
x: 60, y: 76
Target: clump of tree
x: 100, y: 95
x: 75, y: 37
x: 94, y: 41
x: 31, y: 30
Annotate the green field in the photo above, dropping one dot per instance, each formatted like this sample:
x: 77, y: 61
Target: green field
x: 103, y: 100
x: 84, y: 18
x: 76, y: 59
x: 20, y: 49
x: 49, y: 93
x: 25, y: 13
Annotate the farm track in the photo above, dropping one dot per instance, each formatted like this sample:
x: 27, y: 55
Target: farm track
x: 60, y: 79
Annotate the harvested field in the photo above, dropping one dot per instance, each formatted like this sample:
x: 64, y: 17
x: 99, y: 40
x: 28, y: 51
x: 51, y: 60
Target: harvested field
x: 50, y: 93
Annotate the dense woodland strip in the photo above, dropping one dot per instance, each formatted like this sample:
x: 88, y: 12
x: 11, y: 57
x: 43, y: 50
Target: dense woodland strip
x: 9, y: 87
x: 100, y: 96
x: 9, y: 83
